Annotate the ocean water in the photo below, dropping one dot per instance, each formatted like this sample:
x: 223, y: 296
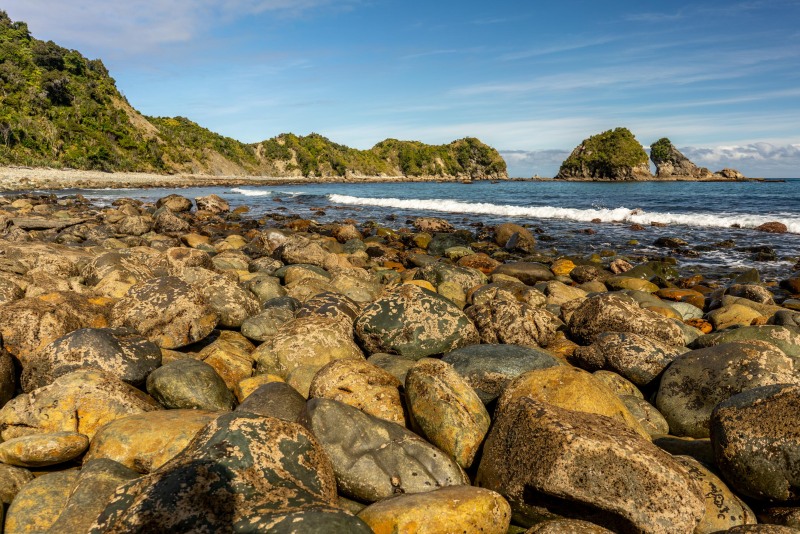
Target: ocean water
x: 703, y: 214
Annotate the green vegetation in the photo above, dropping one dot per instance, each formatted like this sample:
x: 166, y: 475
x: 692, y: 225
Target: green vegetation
x: 59, y: 109
x: 604, y: 155
x: 56, y: 109
x: 661, y: 150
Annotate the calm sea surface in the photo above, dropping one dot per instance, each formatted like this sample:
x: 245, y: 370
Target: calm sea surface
x: 701, y: 213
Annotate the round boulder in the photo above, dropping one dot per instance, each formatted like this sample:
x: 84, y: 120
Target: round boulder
x: 189, y: 383
x: 166, y: 311
x: 757, y: 443
x: 700, y: 379
x: 415, y: 323
x: 118, y: 351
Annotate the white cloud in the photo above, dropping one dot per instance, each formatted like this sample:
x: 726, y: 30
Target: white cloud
x: 121, y: 27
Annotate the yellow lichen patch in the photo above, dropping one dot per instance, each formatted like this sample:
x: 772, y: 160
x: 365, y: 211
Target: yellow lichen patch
x: 562, y: 267
x: 571, y: 388
x: 424, y: 284
x: 40, y: 450
x: 442, y: 511
x: 248, y: 385
x: 145, y: 442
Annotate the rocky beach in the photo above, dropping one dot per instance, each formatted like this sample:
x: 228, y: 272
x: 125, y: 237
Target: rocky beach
x: 181, y: 366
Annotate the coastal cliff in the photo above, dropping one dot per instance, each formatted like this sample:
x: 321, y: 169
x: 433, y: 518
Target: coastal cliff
x: 59, y: 109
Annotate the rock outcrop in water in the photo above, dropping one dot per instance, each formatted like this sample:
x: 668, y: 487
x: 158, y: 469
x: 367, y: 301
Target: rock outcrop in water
x: 614, y: 155
x: 671, y: 163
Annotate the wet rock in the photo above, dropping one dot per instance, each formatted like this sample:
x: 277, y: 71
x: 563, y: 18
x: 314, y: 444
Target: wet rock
x: 570, y: 388
x: 520, y: 237
x: 356, y: 285
x: 503, y: 321
x: 613, y: 313
x: 442, y: 241
x: 118, y: 351
x: 588, y: 273
x: 756, y: 443
x: 175, y: 203
x: 241, y: 472
x: 362, y: 385
x: 529, y: 273
x: 81, y: 401
x: 432, y: 225
x: 559, y: 293
x: 312, y: 341
x: 414, y: 323
x: 700, y: 379
x: 345, y: 232
x: 189, y: 383
x: 773, y: 227
x: 167, y: 311
x: 374, y: 458
x: 786, y: 339
x: 39, y: 502
x: 734, y: 314
x: 488, y: 368
x: 212, y: 203
x: 547, y: 460
x: 39, y: 450
x: 96, y: 484
x: 638, y: 358
x: 724, y: 509
x: 752, y: 292
x: 444, y: 510
x: 144, y: 442
x: 275, y: 399
x: 480, y: 261
x: 447, y: 409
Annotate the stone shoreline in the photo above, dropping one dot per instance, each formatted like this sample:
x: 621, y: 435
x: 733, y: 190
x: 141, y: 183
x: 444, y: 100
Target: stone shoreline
x: 25, y: 178
x: 178, y: 366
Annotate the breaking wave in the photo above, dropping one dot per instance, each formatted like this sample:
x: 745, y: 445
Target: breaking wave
x: 621, y: 214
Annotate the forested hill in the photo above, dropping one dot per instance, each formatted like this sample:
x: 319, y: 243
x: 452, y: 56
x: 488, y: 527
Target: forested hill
x: 59, y: 109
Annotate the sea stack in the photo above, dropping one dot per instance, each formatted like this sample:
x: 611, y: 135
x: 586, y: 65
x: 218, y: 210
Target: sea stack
x: 671, y: 164
x: 614, y: 155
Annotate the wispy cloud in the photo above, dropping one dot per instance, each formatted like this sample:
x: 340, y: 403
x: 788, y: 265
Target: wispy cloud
x: 655, y: 17
x: 134, y: 26
x: 572, y: 45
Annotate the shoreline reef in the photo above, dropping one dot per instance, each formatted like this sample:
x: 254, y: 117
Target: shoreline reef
x: 179, y: 363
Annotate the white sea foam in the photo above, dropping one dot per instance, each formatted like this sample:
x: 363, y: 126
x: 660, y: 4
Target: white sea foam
x: 622, y: 214
x: 251, y: 193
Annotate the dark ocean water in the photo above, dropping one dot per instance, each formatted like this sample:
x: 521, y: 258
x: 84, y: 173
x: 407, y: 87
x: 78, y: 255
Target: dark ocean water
x: 701, y: 213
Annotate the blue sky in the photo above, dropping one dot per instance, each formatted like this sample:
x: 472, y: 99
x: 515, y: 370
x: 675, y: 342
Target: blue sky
x: 721, y: 79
